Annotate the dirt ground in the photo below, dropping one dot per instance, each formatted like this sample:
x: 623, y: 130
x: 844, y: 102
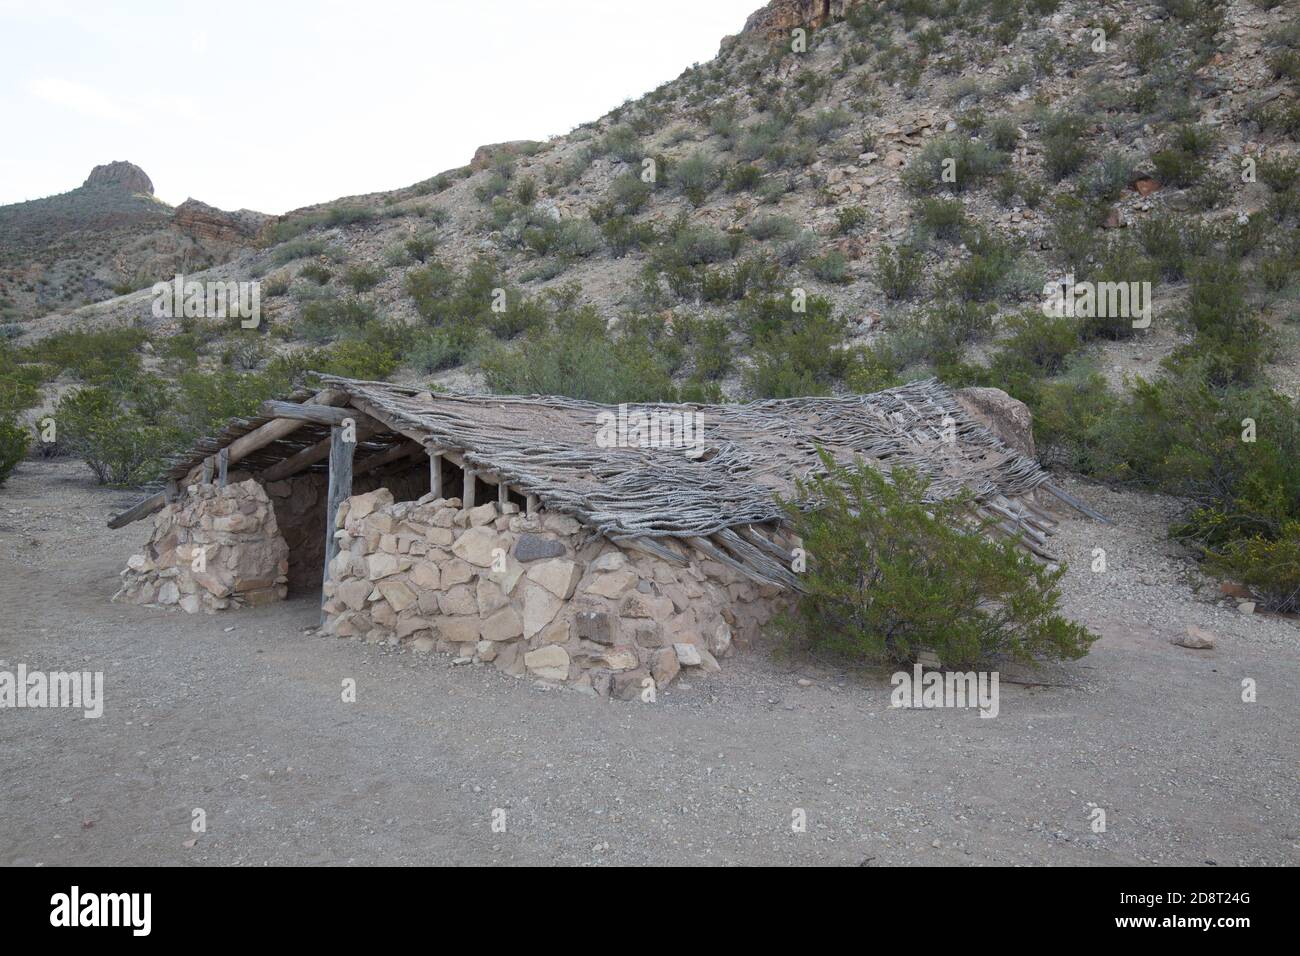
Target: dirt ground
x: 241, y: 715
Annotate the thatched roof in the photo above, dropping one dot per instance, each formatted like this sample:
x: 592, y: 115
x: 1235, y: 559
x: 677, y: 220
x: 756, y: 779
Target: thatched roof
x: 552, y: 448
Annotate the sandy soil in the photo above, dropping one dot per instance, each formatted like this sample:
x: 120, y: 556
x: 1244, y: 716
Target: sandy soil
x: 241, y: 715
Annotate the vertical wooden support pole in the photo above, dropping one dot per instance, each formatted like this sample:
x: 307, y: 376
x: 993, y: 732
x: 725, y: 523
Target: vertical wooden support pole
x: 503, y: 494
x: 340, y: 489
x: 467, y: 497
x: 223, y: 466
x: 435, y: 473
x: 207, y: 471
x: 532, y: 504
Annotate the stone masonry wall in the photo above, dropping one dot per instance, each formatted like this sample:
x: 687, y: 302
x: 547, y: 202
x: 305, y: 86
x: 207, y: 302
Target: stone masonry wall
x: 535, y: 595
x: 245, y: 561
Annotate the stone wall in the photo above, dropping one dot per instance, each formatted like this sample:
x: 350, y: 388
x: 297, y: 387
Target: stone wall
x: 244, y: 561
x: 535, y: 595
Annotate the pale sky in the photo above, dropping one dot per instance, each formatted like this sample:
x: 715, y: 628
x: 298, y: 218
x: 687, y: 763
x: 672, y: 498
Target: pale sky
x: 273, y: 105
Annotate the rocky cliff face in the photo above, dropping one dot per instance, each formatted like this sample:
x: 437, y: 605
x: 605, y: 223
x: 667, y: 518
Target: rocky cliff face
x: 120, y: 175
x: 779, y: 17
x: 202, y: 221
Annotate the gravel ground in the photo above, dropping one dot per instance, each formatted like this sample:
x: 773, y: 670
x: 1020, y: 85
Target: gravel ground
x: 241, y: 715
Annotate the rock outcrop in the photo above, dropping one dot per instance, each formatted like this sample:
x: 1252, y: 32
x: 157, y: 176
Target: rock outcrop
x: 779, y: 17
x: 202, y: 221
x: 120, y: 175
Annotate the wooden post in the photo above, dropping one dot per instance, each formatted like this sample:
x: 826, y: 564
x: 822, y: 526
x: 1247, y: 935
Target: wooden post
x: 207, y: 471
x: 467, y: 495
x: 532, y: 504
x: 340, y: 489
x: 435, y: 473
x: 223, y: 466
x: 503, y: 495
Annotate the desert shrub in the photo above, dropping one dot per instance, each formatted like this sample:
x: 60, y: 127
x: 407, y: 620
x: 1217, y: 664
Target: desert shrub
x: 1268, y: 566
x: 941, y: 218
x: 117, y: 445
x: 623, y: 234
x: 623, y: 143
x: 326, y: 319
x: 298, y: 249
x: 315, y: 272
x: 898, y: 271
x: 832, y: 266
x: 973, y: 163
x: 434, y: 350
x: 850, y: 219
x: 764, y: 227
x: 693, y: 244
x: 797, y: 353
x: 577, y: 238
x: 1037, y: 344
x: 743, y: 177
x: 987, y: 273
x: 628, y: 195
x: 362, y: 278
x: 21, y: 375
x: 1063, y: 148
x: 1230, y: 343
x: 1106, y: 180
x: 695, y: 176
x: 526, y: 190
x: 95, y: 357
x: 825, y: 125
x: 1182, y: 163
x: 576, y: 355
x: 358, y: 358
x: 1002, y: 133
x: 14, y: 441
x: 892, y: 572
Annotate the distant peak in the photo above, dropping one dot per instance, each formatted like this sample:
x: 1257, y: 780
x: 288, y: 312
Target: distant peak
x: 121, y: 174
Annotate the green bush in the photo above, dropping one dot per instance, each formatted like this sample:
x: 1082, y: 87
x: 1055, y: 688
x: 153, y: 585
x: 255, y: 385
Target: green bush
x: 1063, y: 149
x: 695, y: 176
x: 892, y: 573
x: 850, y: 219
x: 362, y: 278
x: 576, y: 355
x: 628, y: 195
x: 831, y: 267
x: 14, y: 441
x: 94, y: 357
x: 974, y: 162
x: 743, y: 177
x: 898, y: 271
x: 118, y: 446
x: 764, y: 227
x: 941, y: 218
x: 798, y: 353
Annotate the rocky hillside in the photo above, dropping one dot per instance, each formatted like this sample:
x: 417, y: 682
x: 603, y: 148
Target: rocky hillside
x: 106, y: 237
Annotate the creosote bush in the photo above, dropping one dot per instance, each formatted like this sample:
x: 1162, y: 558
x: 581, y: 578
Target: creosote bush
x: 891, y: 573
x: 14, y: 440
